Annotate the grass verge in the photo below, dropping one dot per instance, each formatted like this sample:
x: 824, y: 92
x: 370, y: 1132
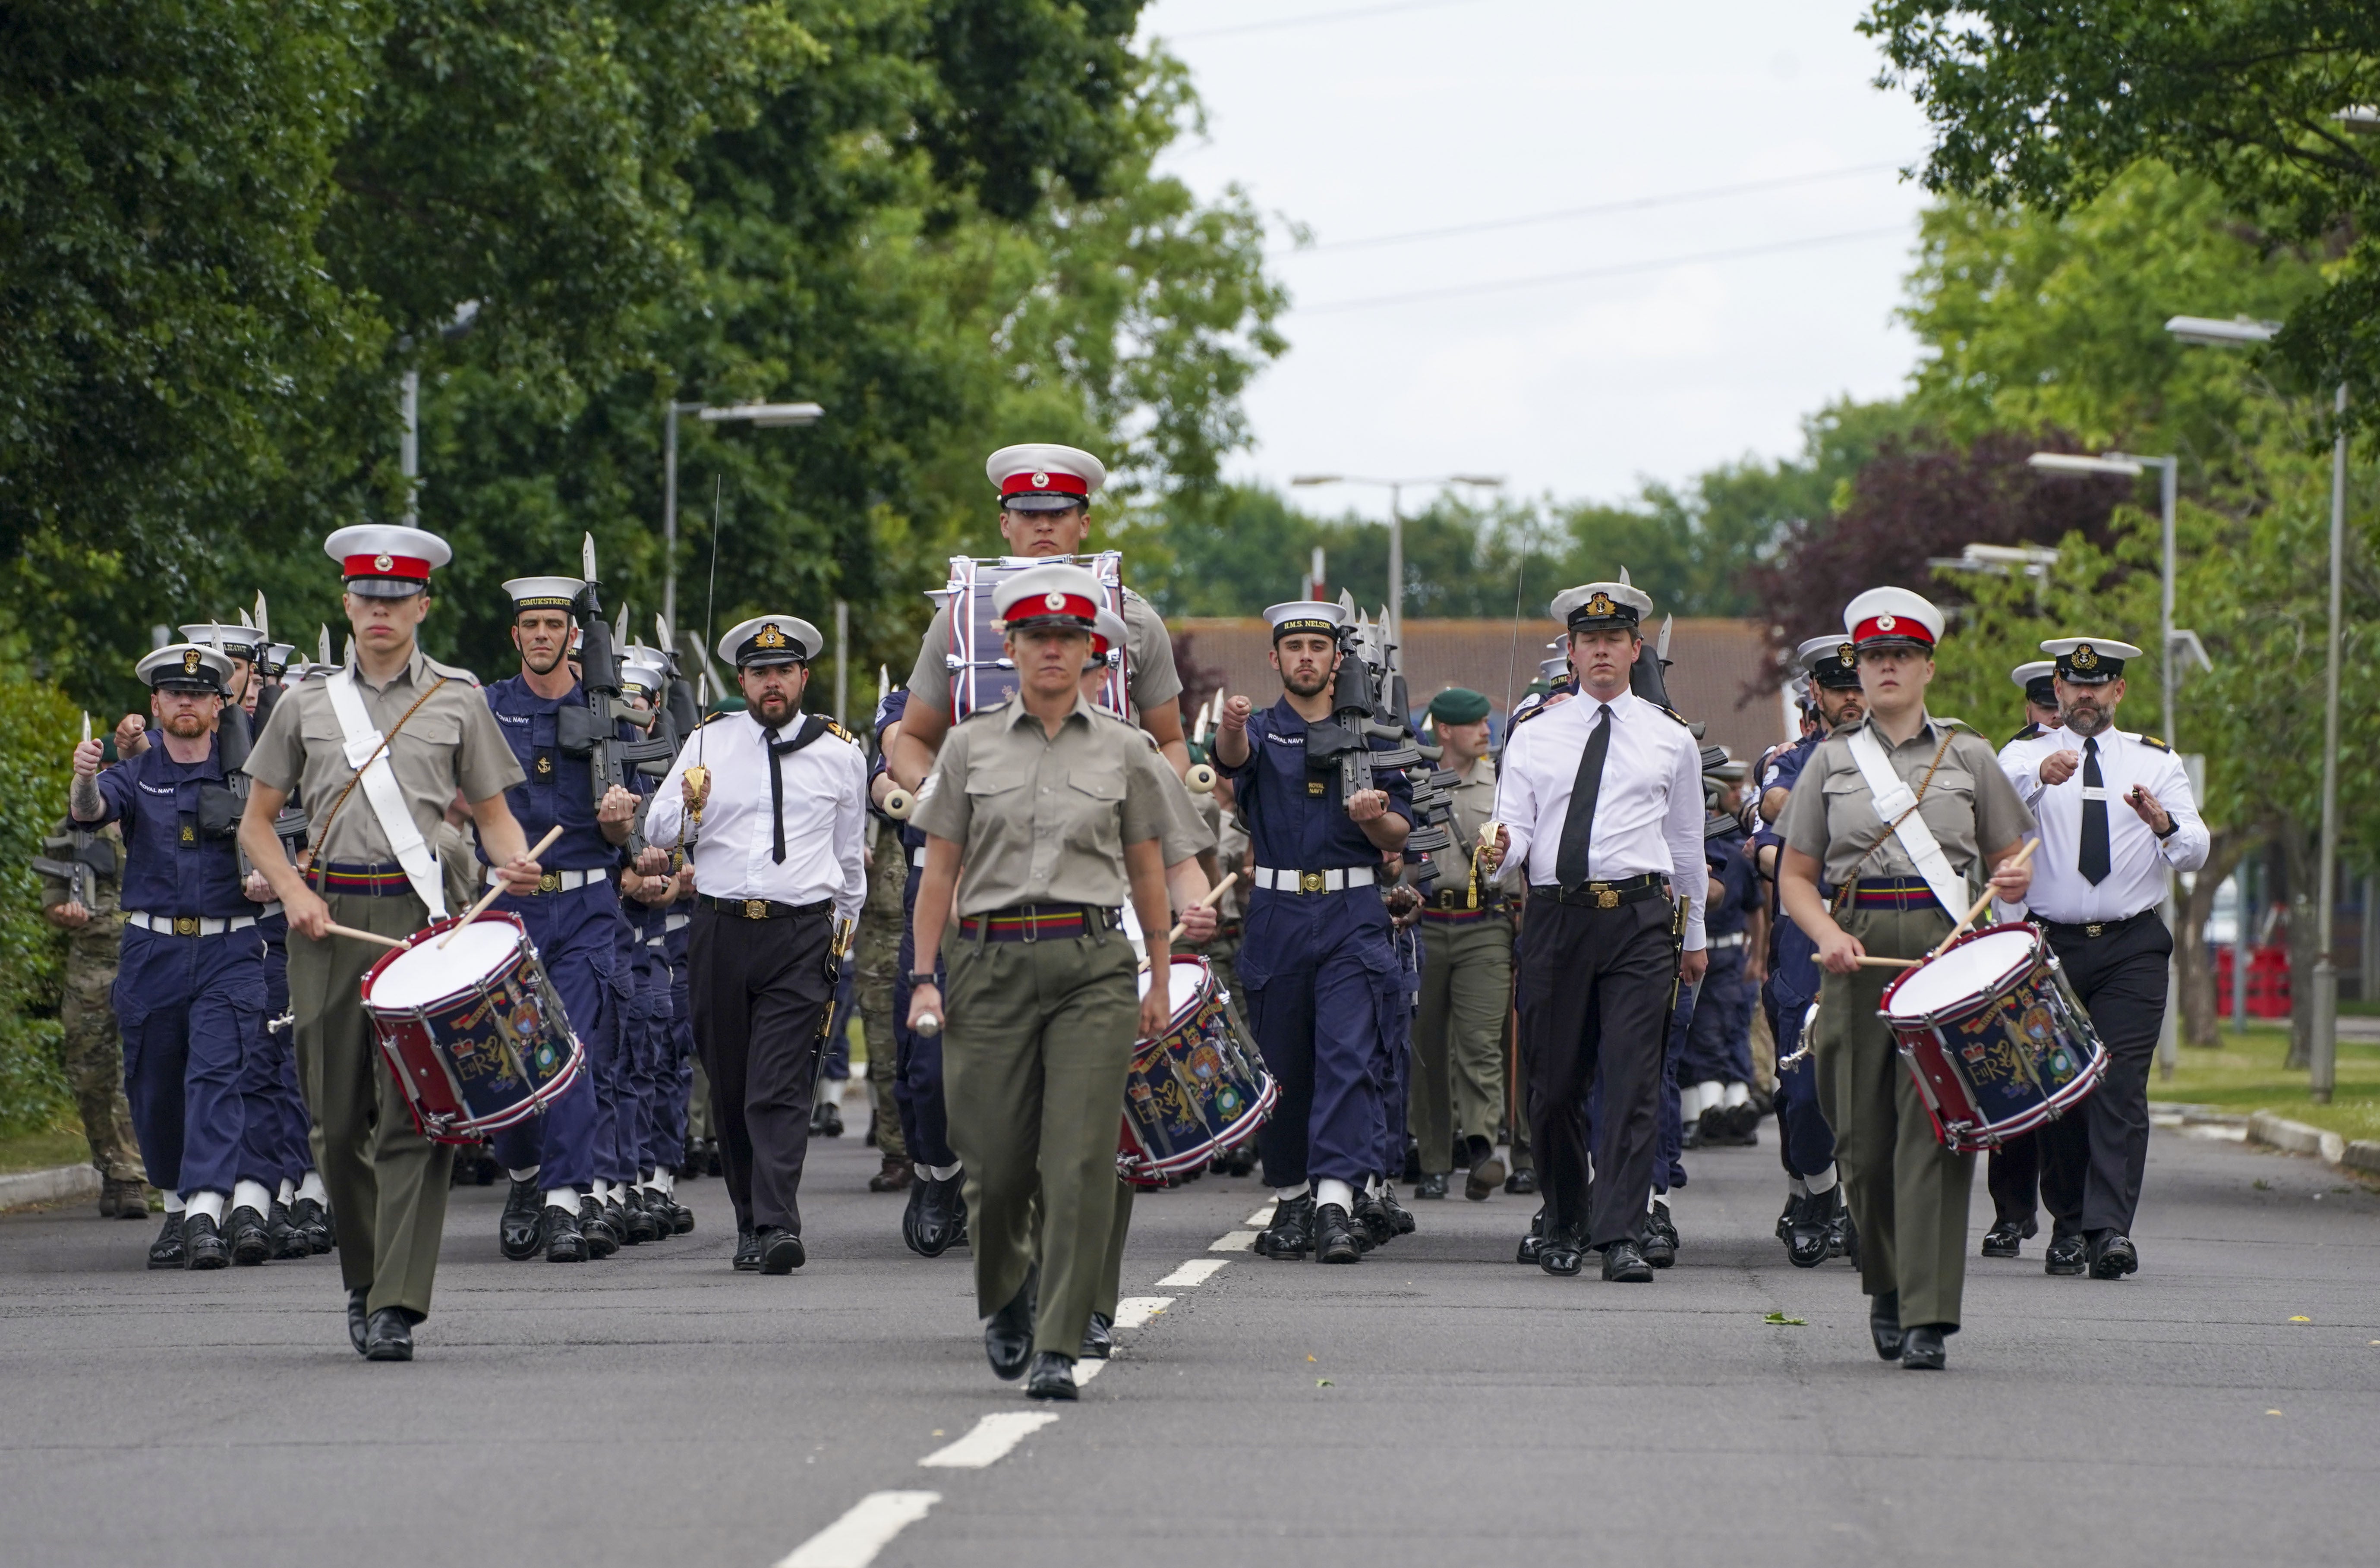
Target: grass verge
x: 40, y: 1152
x: 2244, y: 1074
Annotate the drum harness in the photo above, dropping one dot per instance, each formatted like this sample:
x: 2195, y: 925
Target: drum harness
x: 342, y: 699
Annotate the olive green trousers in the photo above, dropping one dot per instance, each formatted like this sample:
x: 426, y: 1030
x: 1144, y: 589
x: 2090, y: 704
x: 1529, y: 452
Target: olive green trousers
x: 1458, y: 1040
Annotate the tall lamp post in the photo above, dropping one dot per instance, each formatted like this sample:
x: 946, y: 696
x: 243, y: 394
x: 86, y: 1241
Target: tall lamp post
x: 1397, y: 526
x: 2322, y: 1047
x: 765, y: 416
x: 2130, y: 466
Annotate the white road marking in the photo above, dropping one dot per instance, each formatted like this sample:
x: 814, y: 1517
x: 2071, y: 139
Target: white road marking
x: 990, y: 1442
x: 1135, y: 1311
x: 854, y: 1540
x: 1260, y: 1219
x: 1088, y: 1369
x: 1235, y: 1241
x: 1197, y: 1271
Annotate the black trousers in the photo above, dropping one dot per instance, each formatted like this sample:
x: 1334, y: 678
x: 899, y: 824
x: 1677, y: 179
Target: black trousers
x: 2092, y: 1158
x: 2013, y: 1173
x: 1594, y: 1009
x: 760, y: 989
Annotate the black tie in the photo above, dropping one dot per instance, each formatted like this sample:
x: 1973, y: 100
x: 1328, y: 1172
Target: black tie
x: 1578, y: 828
x: 776, y: 795
x: 2094, y: 818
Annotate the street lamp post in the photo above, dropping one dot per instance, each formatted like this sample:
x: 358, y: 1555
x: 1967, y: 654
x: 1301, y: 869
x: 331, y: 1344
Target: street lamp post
x: 762, y: 415
x: 2322, y: 1047
x: 1397, y: 527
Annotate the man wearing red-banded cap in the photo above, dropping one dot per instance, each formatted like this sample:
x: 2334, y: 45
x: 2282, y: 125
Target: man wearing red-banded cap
x: 1899, y: 815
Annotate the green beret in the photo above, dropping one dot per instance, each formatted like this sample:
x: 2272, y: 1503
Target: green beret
x: 1458, y: 705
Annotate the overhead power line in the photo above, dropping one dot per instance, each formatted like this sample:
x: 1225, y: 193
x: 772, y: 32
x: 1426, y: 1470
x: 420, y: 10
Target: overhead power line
x: 1313, y: 19
x: 1634, y: 204
x: 1548, y: 279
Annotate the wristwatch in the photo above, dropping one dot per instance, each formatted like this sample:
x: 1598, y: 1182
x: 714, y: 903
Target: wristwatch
x: 2172, y: 826
x: 923, y: 978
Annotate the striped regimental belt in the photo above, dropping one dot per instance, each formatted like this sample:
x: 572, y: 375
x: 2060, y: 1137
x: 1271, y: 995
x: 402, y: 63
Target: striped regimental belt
x: 1894, y: 892
x: 1041, y: 922
x: 376, y: 879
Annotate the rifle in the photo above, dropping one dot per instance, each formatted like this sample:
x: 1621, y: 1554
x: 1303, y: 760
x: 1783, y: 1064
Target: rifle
x: 593, y: 731
x: 88, y: 856
x: 1366, y: 704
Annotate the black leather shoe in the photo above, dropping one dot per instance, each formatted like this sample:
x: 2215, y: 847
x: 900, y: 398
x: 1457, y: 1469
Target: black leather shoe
x: 1842, y: 1236
x: 615, y: 1214
x: 1623, y: 1261
x: 1561, y: 1254
x: 565, y: 1242
x: 1533, y: 1244
x: 1099, y: 1337
x: 641, y: 1226
x: 2005, y: 1239
x: 389, y: 1336
x: 203, y: 1244
x: 520, y: 1233
x: 286, y: 1241
x: 1743, y: 1125
x: 748, y: 1250
x: 1399, y: 1215
x: 1813, y: 1222
x: 780, y: 1250
x: 681, y: 1217
x: 1291, y: 1234
x: 1053, y: 1378
x: 1922, y: 1349
x: 1334, y: 1235
x: 2113, y: 1257
x: 1522, y: 1184
x: 595, y: 1226
x: 932, y: 1226
x: 1884, y: 1324
x: 249, y: 1244
x: 1374, y: 1227
x: 1008, y: 1334
x: 2068, y: 1255
x: 1661, y: 1246
x: 313, y: 1221
x: 166, y: 1251
x: 1785, y: 1217
x: 1431, y: 1185
x: 357, y: 1318
x: 1485, y: 1176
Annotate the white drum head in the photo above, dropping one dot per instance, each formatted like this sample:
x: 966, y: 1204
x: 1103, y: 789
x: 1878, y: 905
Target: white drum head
x: 1184, y: 986
x: 1969, y: 972
x: 429, y: 972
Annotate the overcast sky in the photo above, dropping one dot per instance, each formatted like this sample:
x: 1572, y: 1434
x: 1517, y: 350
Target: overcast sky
x: 1380, y: 119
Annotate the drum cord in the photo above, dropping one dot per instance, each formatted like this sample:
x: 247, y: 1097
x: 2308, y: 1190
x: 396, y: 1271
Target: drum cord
x: 306, y: 856
x: 1850, y: 883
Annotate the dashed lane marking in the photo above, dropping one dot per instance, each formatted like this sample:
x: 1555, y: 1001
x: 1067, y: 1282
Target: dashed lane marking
x: 991, y: 1440
x: 867, y: 1528
x: 1235, y: 1241
x: 1135, y: 1311
x: 1260, y: 1219
x: 1197, y: 1271
x: 1087, y: 1368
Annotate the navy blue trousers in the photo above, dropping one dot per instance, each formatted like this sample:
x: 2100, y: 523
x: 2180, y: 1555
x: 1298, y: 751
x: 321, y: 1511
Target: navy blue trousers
x: 918, y: 1059
x: 1324, y: 986
x: 1807, y: 1145
x: 191, y: 1012
x: 1718, y: 1047
x: 578, y: 1139
x: 284, y: 1130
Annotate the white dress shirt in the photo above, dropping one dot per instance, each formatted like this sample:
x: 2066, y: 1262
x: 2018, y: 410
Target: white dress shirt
x: 825, y: 790
x: 2137, y: 859
x: 1648, y: 809
x: 2020, y: 759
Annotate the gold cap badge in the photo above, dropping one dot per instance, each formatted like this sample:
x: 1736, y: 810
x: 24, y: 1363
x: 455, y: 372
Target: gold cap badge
x: 770, y: 636
x: 189, y: 661
x: 2084, y: 657
x: 1599, y: 605
x: 383, y: 562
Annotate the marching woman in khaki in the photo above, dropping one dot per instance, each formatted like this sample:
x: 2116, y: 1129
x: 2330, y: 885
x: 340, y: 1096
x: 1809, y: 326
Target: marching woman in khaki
x: 1894, y: 812
x: 1037, y: 815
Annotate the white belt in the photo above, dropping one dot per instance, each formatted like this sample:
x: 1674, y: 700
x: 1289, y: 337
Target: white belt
x: 187, y: 925
x: 553, y: 882
x: 676, y: 922
x: 269, y: 910
x: 1333, y: 881
x: 917, y: 857
x: 1732, y: 939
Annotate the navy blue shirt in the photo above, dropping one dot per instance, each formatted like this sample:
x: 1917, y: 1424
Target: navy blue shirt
x: 1732, y: 867
x: 1292, y: 811
x: 1781, y: 772
x: 169, y: 867
x: 559, y: 789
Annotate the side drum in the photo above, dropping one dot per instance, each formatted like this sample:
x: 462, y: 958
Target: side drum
x: 473, y: 1031
x: 1994, y: 1036
x: 1194, y: 1091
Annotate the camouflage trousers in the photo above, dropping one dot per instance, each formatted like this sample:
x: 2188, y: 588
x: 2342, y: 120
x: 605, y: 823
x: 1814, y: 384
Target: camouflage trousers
x: 95, y: 1068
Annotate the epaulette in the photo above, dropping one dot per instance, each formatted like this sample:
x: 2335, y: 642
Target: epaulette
x: 2151, y: 740
x: 2028, y: 733
x: 1522, y: 715
x: 839, y: 733
x: 1675, y: 714
x: 714, y: 718
x: 452, y: 671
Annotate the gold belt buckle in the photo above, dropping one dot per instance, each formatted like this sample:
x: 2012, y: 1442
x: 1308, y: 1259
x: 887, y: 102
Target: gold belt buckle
x: 549, y: 882
x: 186, y: 925
x: 756, y: 909
x: 2095, y: 929
x: 1605, y: 895
x: 1309, y: 881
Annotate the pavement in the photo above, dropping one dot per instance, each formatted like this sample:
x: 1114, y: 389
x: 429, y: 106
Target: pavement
x: 1435, y: 1404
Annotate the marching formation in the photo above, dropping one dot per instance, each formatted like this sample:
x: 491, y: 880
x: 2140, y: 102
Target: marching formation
x: 587, y: 928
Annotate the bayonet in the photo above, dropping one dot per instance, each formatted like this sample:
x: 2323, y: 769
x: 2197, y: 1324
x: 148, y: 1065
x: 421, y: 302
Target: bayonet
x: 322, y: 649
x: 264, y: 624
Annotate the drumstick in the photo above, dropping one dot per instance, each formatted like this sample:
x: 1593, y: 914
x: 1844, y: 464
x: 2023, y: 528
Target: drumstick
x: 365, y: 936
x: 1890, y: 963
x: 1206, y: 903
x: 1983, y: 902
x: 497, y: 892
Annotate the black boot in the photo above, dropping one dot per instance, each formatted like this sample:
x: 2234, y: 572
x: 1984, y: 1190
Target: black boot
x: 1336, y: 1238
x: 1373, y: 1225
x: 312, y: 1220
x: 1008, y: 1333
x: 641, y: 1226
x: 1533, y: 1244
x: 519, y: 1231
x: 1398, y: 1215
x: 595, y: 1226
x: 1808, y: 1240
x: 166, y: 1251
x: 1660, y: 1248
x: 202, y: 1242
x: 288, y: 1243
x: 565, y: 1242
x: 748, y: 1250
x: 249, y: 1244
x: 1291, y: 1234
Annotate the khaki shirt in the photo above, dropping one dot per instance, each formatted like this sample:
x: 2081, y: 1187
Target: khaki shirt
x: 1832, y: 815
x: 451, y: 739
x: 1044, y: 821
x: 1148, y: 659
